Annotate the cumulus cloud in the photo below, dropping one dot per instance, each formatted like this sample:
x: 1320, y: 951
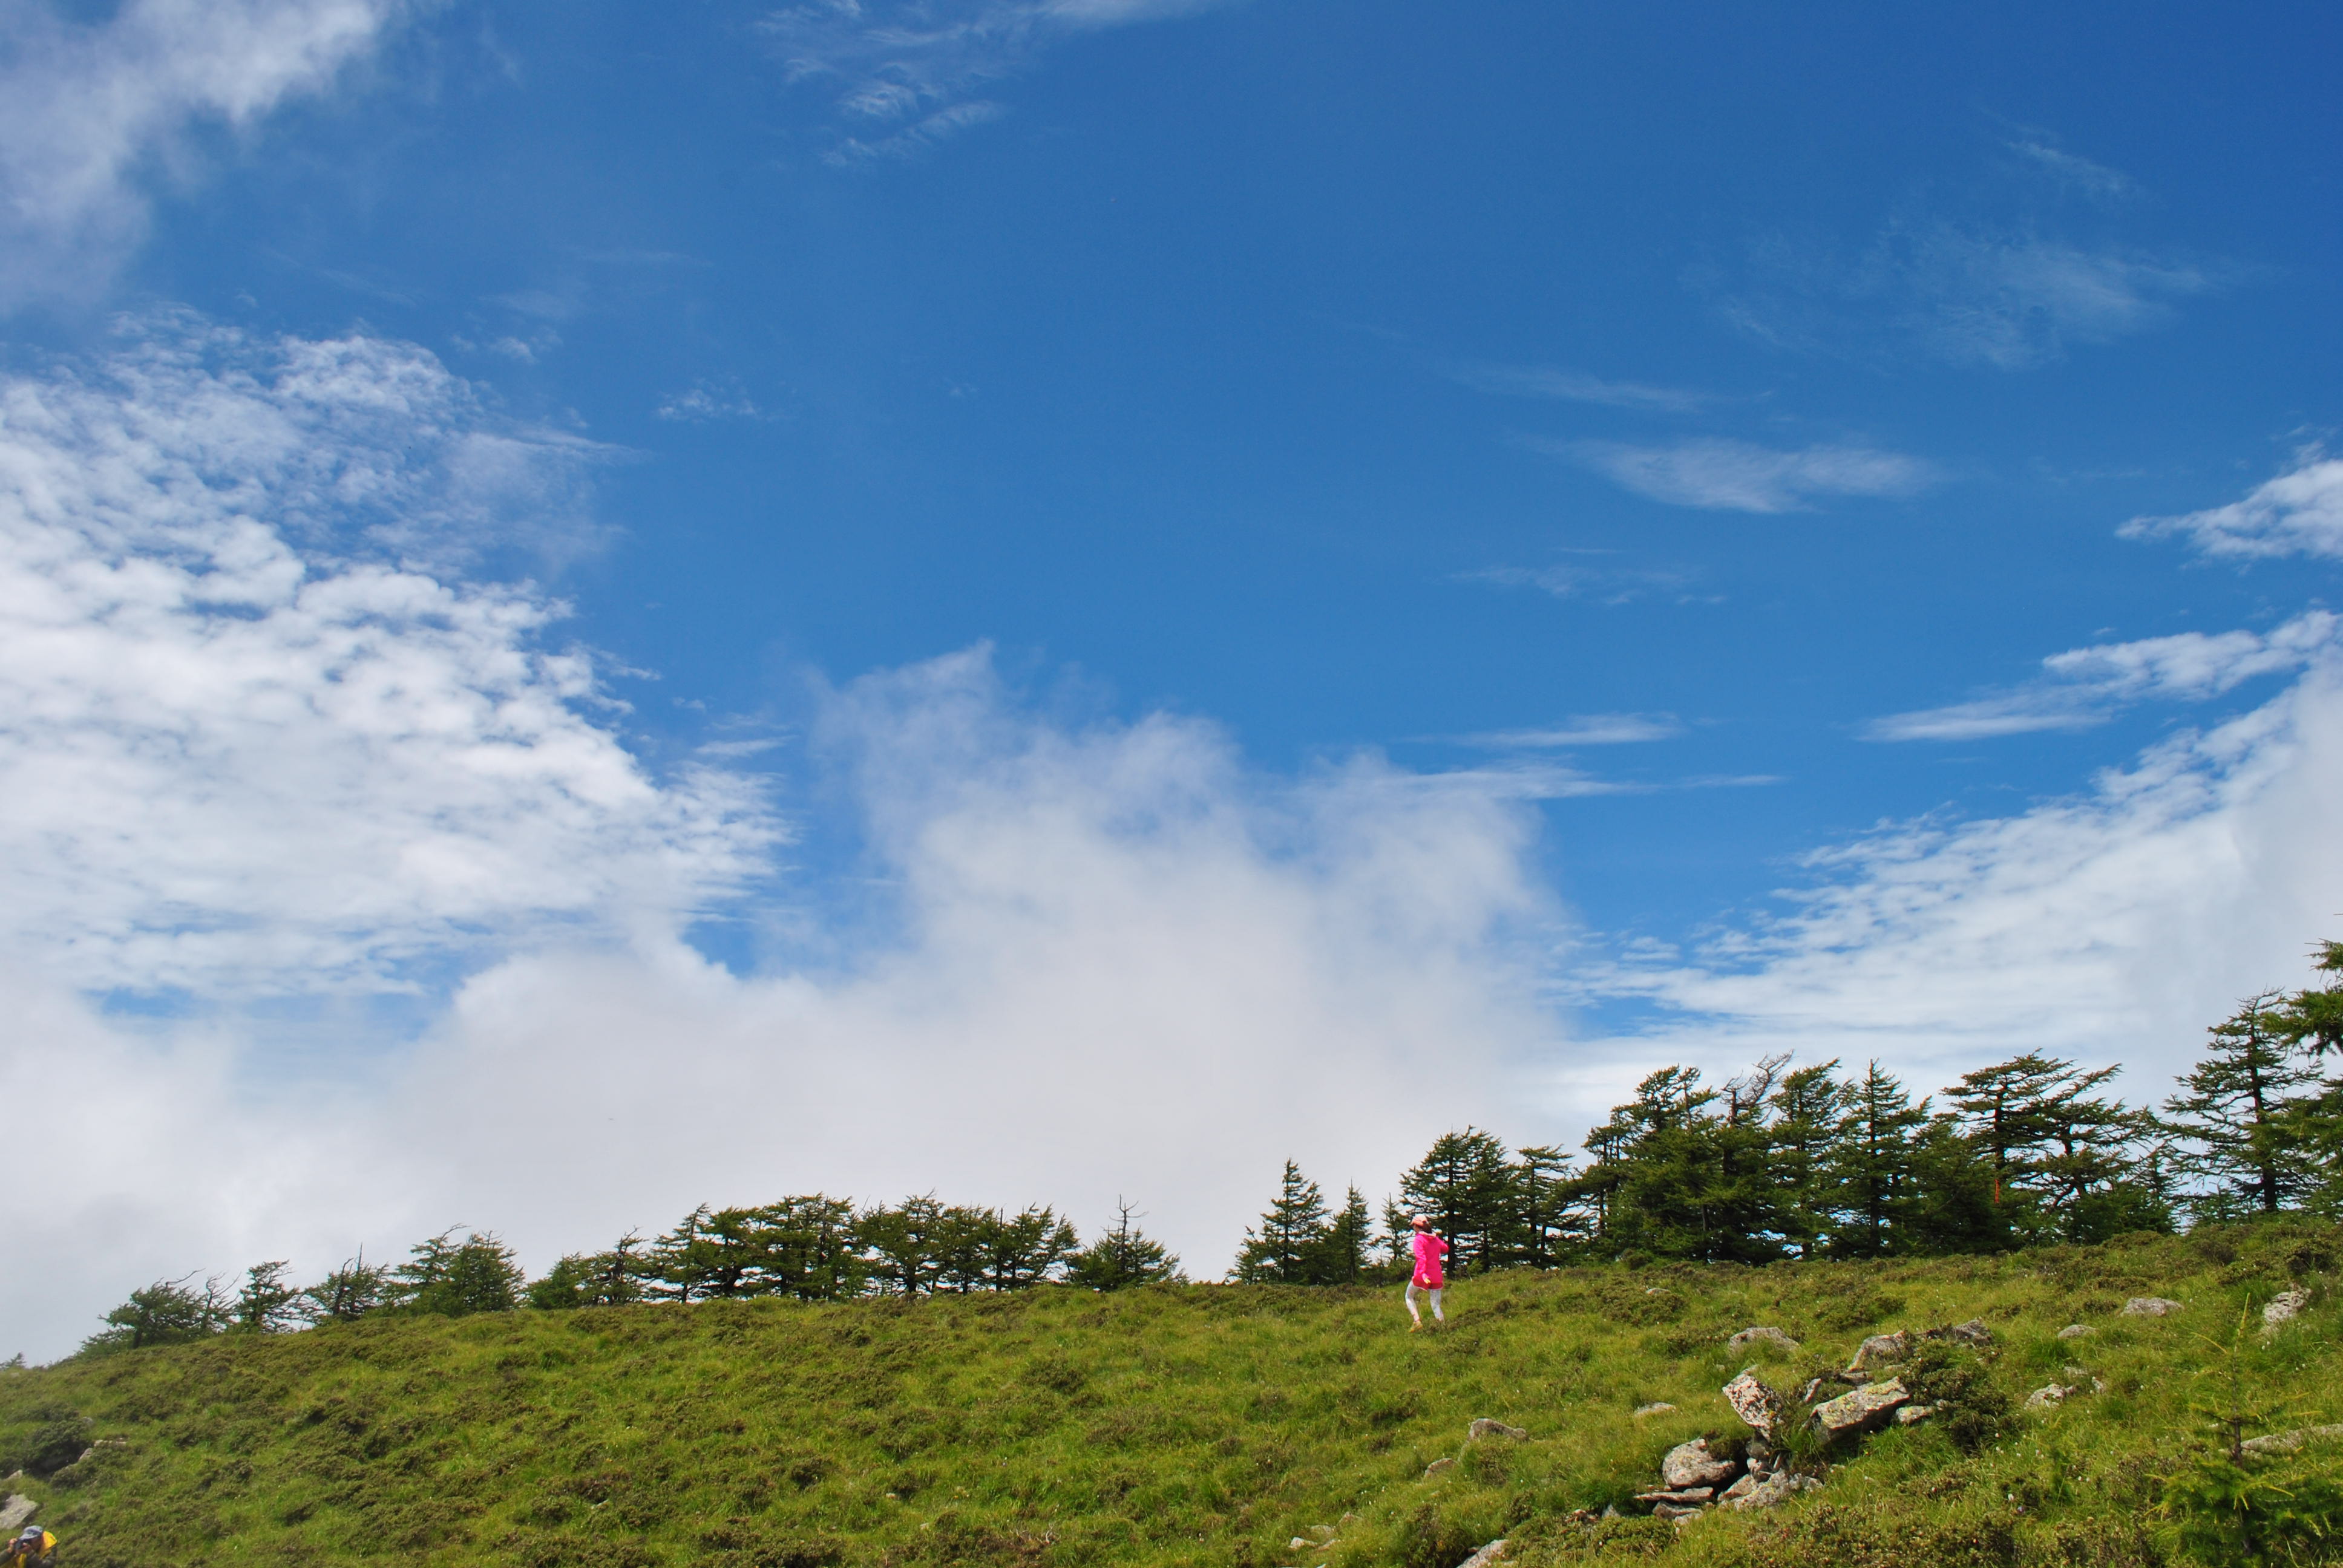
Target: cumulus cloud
x: 1737, y: 475
x: 2086, y: 686
x: 251, y: 743
x: 2114, y: 925
x: 922, y: 65
x: 2300, y: 512
x: 1105, y: 960
x: 90, y: 110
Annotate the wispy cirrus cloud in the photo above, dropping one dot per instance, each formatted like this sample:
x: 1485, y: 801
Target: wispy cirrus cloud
x: 2086, y: 687
x: 908, y: 75
x: 88, y: 109
x: 1604, y: 583
x: 2300, y: 512
x: 1585, y: 729
x: 1723, y: 475
x: 1575, y: 387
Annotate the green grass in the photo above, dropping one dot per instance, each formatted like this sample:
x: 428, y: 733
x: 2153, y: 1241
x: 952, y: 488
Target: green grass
x: 1198, y: 1424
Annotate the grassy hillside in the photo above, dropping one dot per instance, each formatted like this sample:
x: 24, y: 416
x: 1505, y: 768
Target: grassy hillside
x: 1203, y: 1424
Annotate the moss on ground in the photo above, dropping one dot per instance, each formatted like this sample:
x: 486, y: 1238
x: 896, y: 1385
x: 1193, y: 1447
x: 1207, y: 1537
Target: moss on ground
x: 1192, y: 1425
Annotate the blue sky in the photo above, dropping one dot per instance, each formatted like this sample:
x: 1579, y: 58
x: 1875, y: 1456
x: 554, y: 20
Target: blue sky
x: 1109, y: 562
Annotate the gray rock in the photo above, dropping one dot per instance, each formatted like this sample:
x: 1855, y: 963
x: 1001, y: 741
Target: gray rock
x: 1690, y: 1464
x: 1610, y: 1510
x: 1912, y: 1413
x: 2150, y: 1307
x: 1485, y: 1427
x: 1671, y: 1512
x: 1494, y: 1551
x: 1437, y: 1466
x: 1771, y: 1336
x: 1300, y: 1544
x: 1881, y: 1351
x: 1679, y: 1495
x: 2276, y: 1442
x: 1867, y: 1409
x: 1742, y: 1488
x: 2076, y: 1332
x: 2049, y: 1397
x: 16, y: 1512
x: 1781, y: 1489
x: 1661, y: 1408
x: 2284, y: 1308
x: 1973, y: 1333
x: 1753, y: 1402
x: 1761, y: 1457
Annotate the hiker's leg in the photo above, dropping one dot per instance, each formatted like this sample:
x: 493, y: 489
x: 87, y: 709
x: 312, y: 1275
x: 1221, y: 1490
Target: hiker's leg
x: 1437, y: 1315
x: 1409, y: 1298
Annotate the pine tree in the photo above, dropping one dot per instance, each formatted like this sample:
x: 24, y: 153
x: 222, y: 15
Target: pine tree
x: 1807, y: 1107
x: 350, y: 1291
x: 2089, y: 1170
x: 2001, y: 1108
x: 478, y: 1274
x: 2241, y: 1114
x: 1551, y: 1222
x: 1028, y: 1248
x: 1284, y: 1251
x: 1465, y: 1186
x: 268, y: 1303
x: 166, y: 1313
x: 1341, y: 1256
x: 1871, y: 1165
x: 1123, y: 1257
x: 905, y: 1244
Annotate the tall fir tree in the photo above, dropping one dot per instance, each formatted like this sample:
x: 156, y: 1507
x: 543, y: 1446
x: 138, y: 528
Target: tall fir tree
x: 1285, y: 1249
x: 1341, y: 1255
x: 2241, y: 1116
x: 1872, y: 1179
x: 1123, y: 1257
x: 1553, y: 1223
x: 1464, y: 1185
x: 1807, y: 1106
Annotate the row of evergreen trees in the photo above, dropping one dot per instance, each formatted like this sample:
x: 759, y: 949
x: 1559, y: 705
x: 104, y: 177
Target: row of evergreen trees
x: 813, y: 1248
x: 1779, y: 1162
x: 1813, y: 1162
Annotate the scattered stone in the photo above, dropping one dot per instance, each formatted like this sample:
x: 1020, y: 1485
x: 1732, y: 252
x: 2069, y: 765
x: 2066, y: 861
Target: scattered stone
x: 1807, y: 1394
x: 2049, y: 1397
x: 1673, y: 1511
x: 1661, y: 1408
x: 16, y: 1512
x: 2285, y: 1307
x: 1324, y: 1532
x: 2079, y: 1373
x: 1973, y: 1333
x: 2276, y: 1442
x: 1771, y: 1336
x: 1753, y: 1402
x: 1690, y: 1464
x: 1867, y: 1409
x: 1485, y: 1427
x: 1881, y: 1350
x: 1300, y: 1543
x: 1761, y: 1457
x: 1911, y: 1413
x: 2076, y: 1332
x: 1780, y: 1489
x: 1436, y: 1466
x: 1678, y: 1494
x: 1494, y: 1551
x: 1610, y: 1510
x: 1741, y: 1488
x: 2150, y: 1307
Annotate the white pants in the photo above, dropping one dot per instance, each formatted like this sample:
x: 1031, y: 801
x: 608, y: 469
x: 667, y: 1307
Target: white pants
x: 1431, y: 1290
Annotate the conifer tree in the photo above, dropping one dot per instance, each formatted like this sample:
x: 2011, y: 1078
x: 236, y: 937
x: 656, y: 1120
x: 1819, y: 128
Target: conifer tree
x: 1871, y: 1166
x: 1807, y: 1107
x: 478, y: 1274
x: 1551, y: 1222
x: 1123, y: 1257
x: 268, y: 1303
x: 905, y: 1243
x: 1465, y: 1186
x: 1341, y: 1258
x: 1028, y: 1248
x: 1285, y: 1249
x: 2002, y: 1107
x: 2241, y: 1114
x: 350, y: 1291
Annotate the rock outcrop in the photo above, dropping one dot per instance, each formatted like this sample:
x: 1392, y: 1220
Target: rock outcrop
x: 1494, y: 1551
x: 1658, y: 1408
x: 1881, y: 1351
x: 1755, y: 1404
x: 2278, y: 1441
x: 2284, y: 1308
x: 1690, y: 1464
x: 16, y: 1512
x: 1867, y: 1409
x: 2151, y: 1307
x: 1764, y: 1335
x: 1485, y: 1427
x: 2076, y: 1332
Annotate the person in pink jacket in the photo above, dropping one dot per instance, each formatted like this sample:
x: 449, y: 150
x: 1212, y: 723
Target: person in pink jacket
x: 1429, y: 1249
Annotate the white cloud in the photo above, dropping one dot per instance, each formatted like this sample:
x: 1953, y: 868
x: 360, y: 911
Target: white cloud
x: 255, y: 735
x: 2300, y: 512
x: 1737, y: 475
x: 924, y: 63
x: 1607, y: 585
x: 1109, y: 960
x: 2083, y: 687
x: 2074, y: 171
x: 710, y: 401
x: 1588, y: 730
x: 2111, y: 926
x: 89, y: 110
x: 1575, y: 387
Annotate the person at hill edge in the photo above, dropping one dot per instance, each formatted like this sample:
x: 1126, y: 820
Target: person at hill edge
x: 1429, y: 1249
x: 35, y: 1548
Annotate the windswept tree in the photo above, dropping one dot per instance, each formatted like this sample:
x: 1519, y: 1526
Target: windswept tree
x: 611, y: 1278
x: 1028, y: 1248
x: 268, y: 1302
x: 351, y: 1291
x: 458, y: 1279
x: 1123, y: 1257
x: 1553, y: 1223
x: 166, y: 1313
x: 1465, y: 1186
x: 1285, y: 1249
